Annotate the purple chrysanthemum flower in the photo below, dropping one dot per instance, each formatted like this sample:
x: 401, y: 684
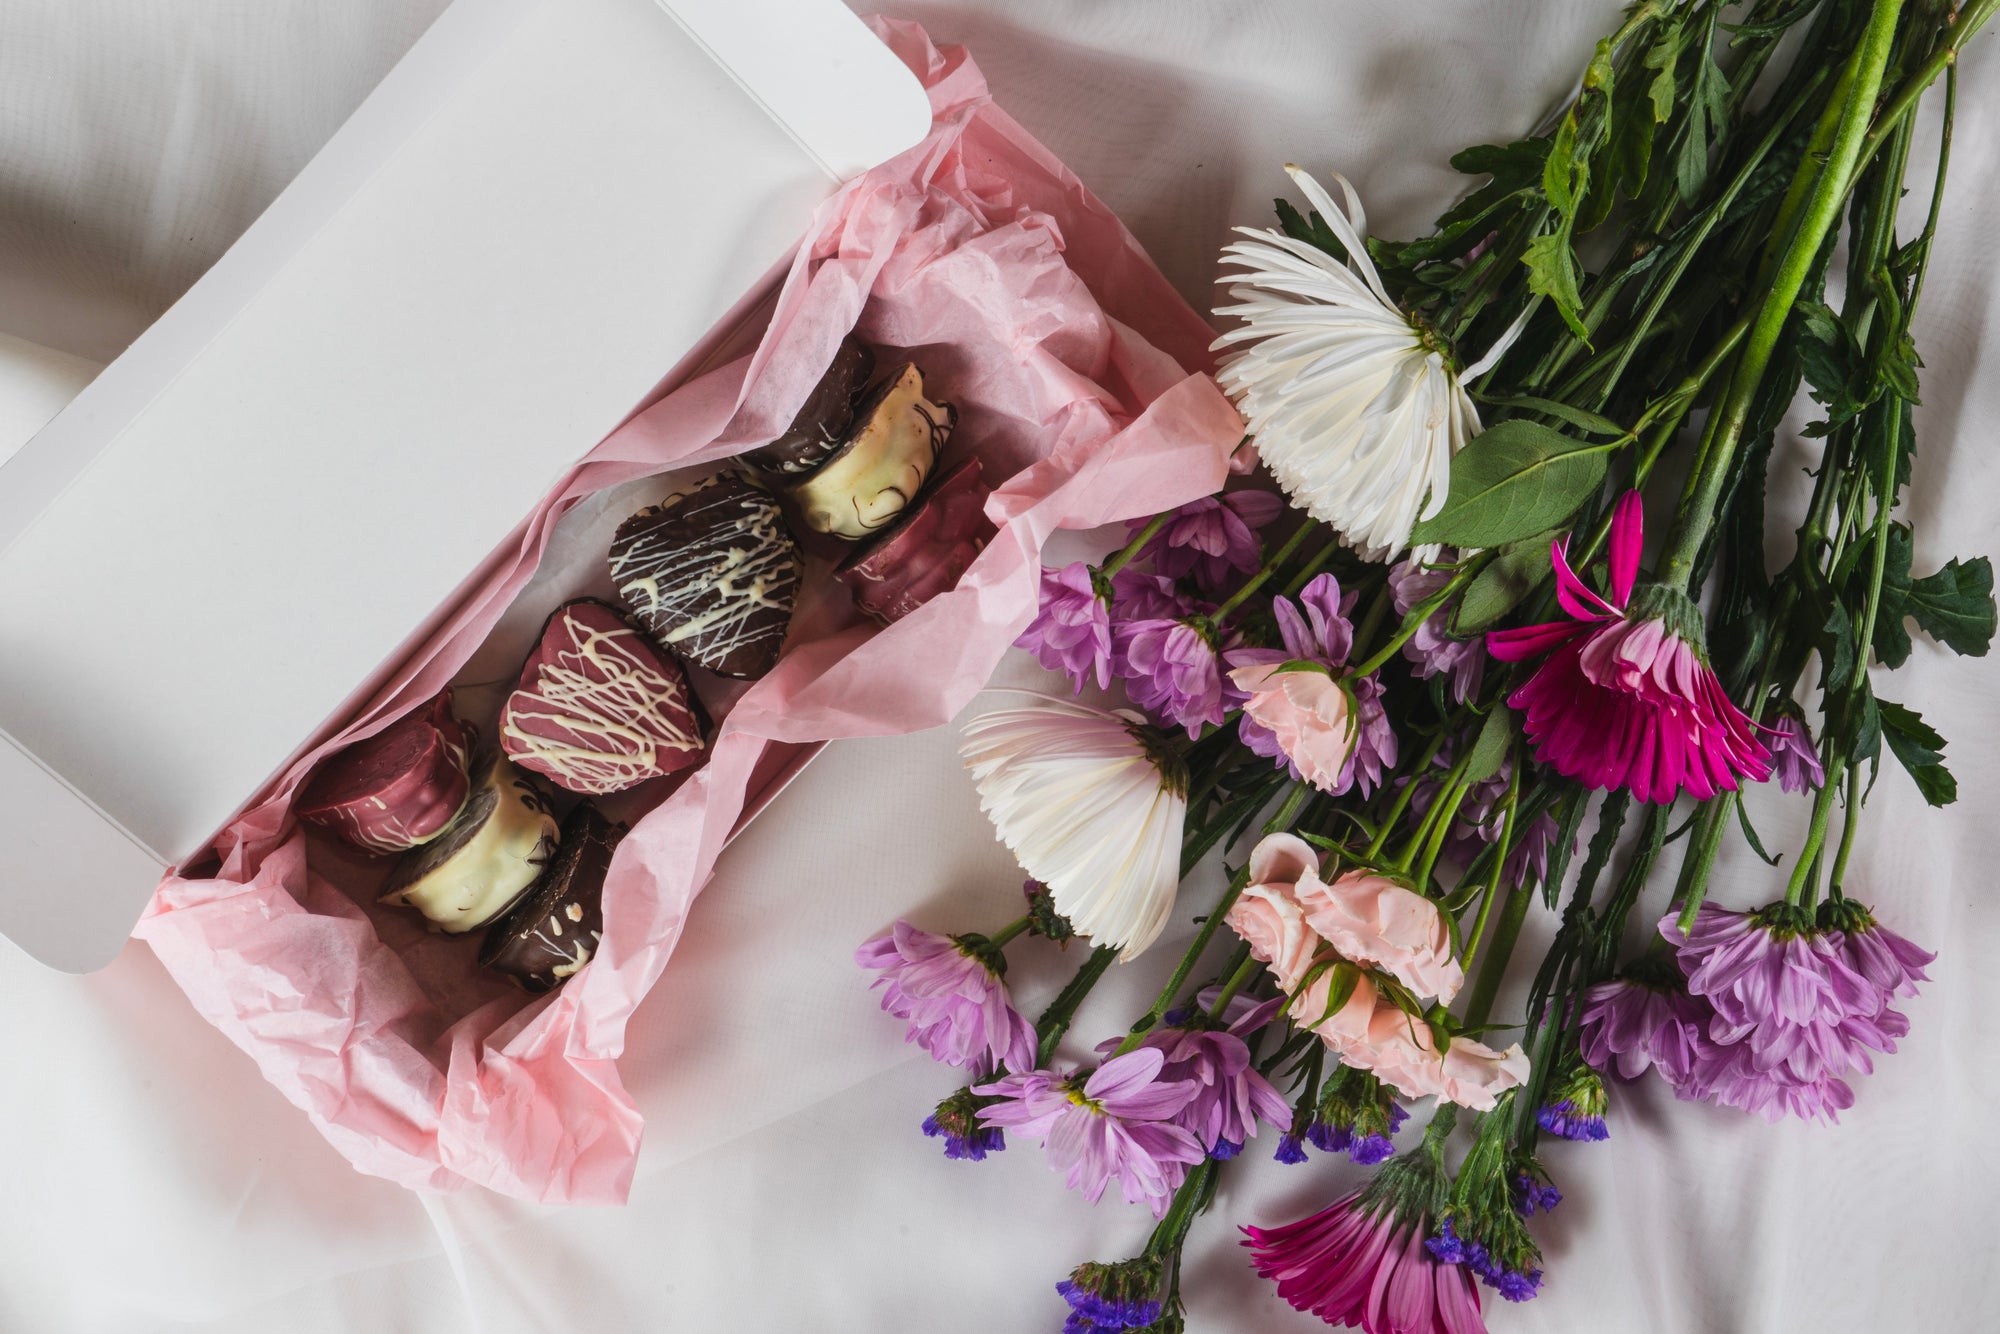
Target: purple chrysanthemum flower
x: 1794, y: 758
x: 1140, y: 595
x: 1375, y: 740
x: 1115, y: 1123
x: 1112, y: 1297
x: 1576, y: 1106
x: 1781, y: 984
x: 1230, y: 1096
x: 1632, y: 1023
x: 1892, y: 964
x: 1171, y: 669
x: 950, y: 990
x: 1432, y: 648
x: 1729, y: 1077
x: 1071, y: 632
x: 956, y: 1122
x: 1214, y: 538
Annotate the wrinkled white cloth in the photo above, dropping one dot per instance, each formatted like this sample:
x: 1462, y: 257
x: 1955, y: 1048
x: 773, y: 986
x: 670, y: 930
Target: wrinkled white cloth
x: 158, y: 1184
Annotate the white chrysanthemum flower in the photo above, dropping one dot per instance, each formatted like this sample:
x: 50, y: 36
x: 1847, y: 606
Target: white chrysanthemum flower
x: 1089, y: 809
x: 1353, y: 408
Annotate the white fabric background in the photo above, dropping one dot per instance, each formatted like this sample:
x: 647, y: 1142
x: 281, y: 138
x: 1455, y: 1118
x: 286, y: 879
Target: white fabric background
x: 155, y: 1183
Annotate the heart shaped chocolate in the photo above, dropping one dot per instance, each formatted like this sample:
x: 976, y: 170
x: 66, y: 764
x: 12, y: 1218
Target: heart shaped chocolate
x: 712, y: 573
x: 600, y: 708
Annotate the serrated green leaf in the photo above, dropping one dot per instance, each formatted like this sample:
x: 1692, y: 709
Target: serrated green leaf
x: 1513, y: 481
x: 1519, y: 162
x: 1552, y: 273
x: 1919, y: 749
x: 1662, y: 58
x: 1954, y: 606
x: 1559, y: 171
x: 1496, y: 739
x: 1837, y: 647
x: 1497, y: 589
x: 1313, y: 231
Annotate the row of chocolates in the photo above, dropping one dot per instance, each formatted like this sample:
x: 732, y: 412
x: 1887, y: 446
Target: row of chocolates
x: 603, y: 704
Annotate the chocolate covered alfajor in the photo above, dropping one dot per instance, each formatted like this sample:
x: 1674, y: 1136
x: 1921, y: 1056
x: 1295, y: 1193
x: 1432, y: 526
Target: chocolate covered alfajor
x: 893, y: 444
x: 486, y: 857
x: 820, y: 428
x: 554, y: 930
x: 396, y: 789
x: 928, y: 550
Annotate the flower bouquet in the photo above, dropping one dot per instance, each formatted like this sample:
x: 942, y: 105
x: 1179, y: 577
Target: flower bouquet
x: 1452, y: 682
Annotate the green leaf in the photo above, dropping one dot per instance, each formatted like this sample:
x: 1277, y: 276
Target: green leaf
x: 1837, y: 648
x: 1749, y: 833
x: 1559, y: 172
x: 1513, y: 481
x: 1510, y: 576
x: 1339, y: 990
x: 1518, y: 164
x: 1919, y: 748
x: 1552, y: 273
x: 1313, y: 232
x: 1662, y: 58
x: 1496, y: 738
x: 1953, y: 606
x: 1595, y: 423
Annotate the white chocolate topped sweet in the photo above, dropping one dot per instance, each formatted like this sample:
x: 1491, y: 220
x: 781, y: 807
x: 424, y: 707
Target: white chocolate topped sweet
x: 890, y: 451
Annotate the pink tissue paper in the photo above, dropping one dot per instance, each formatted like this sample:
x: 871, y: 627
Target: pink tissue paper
x: 1081, y: 377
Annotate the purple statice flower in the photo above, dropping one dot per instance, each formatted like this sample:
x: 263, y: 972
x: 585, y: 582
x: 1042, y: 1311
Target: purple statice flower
x: 1291, y: 1149
x: 1113, y: 1123
x: 1214, y: 538
x: 1171, y: 669
x: 1432, y: 648
x: 1641, y: 1022
x: 956, y: 1122
x: 1516, y: 1278
x: 1071, y: 632
x: 1357, y: 1115
x: 1532, y: 1192
x: 949, y: 988
x: 1576, y: 1106
x: 1794, y: 758
x: 1104, y: 1297
x: 1230, y: 1096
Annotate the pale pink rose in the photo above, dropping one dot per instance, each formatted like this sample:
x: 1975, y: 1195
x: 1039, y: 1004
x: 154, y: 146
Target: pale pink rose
x: 1371, y: 919
x: 1308, y: 712
x: 1267, y: 915
x: 1344, y: 1031
x: 1399, y: 1050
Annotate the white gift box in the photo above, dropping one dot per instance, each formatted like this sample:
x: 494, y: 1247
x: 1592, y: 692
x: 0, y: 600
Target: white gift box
x: 223, y: 544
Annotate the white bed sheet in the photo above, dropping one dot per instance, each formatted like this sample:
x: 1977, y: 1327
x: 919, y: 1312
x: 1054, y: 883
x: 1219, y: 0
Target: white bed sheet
x: 158, y: 1184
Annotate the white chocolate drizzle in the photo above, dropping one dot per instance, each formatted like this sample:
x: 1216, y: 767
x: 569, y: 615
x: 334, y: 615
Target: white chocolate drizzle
x: 600, y: 711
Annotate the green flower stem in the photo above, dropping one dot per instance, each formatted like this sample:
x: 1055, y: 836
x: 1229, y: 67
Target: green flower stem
x: 1510, y: 805
x: 1257, y: 580
x: 1808, y: 864
x: 1692, y: 887
x: 1851, y: 812
x: 1440, y: 830
x: 1186, y: 965
x: 1446, y: 804
x: 1371, y: 620
x: 1008, y: 932
x: 1402, y: 801
x: 1055, y: 1021
x: 1242, y: 968
x: 1414, y: 622
x: 1486, y: 987
x: 1137, y: 544
x: 1970, y: 20
x: 1311, y: 568
x: 1696, y: 514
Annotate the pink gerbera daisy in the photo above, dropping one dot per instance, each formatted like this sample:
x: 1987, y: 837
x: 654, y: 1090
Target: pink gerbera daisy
x: 1626, y: 698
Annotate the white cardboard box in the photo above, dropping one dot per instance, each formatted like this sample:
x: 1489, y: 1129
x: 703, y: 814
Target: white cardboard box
x: 245, y: 519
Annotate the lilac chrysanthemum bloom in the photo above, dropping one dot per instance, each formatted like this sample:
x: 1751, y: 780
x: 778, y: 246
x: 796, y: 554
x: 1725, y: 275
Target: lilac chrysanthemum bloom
x: 1431, y: 648
x: 1645, y: 1019
x: 1172, y: 669
x: 1071, y: 632
x: 1576, y: 1106
x: 1361, y: 1261
x: 1892, y: 964
x: 1780, y: 984
x: 956, y: 1122
x: 949, y: 988
x: 1112, y: 1297
x: 1214, y: 538
x: 1794, y: 758
x: 1729, y: 1077
x: 1141, y: 595
x: 1115, y: 1123
x: 1230, y: 1096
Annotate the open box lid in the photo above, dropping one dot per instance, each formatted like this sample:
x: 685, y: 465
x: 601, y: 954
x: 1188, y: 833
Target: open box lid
x: 547, y: 205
